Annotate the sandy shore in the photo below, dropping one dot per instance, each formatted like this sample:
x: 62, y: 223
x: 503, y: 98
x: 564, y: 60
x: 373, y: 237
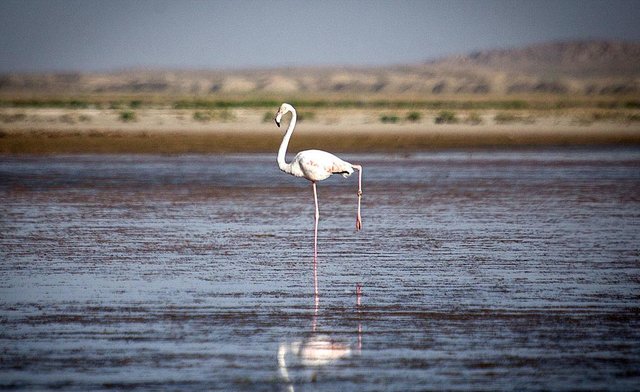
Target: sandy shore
x: 57, y: 130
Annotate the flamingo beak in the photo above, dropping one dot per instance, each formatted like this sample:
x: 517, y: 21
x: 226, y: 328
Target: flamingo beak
x: 278, y: 118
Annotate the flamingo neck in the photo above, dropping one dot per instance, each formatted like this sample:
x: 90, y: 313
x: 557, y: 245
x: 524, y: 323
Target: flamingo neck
x: 284, y: 166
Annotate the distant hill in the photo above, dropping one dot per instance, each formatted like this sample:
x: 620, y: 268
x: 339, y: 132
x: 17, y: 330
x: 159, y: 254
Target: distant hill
x: 577, y: 59
x: 577, y: 67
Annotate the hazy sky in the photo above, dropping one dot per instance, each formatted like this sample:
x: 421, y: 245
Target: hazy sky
x: 67, y: 35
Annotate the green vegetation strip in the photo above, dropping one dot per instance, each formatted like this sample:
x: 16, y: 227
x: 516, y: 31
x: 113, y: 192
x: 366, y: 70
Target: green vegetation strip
x: 426, y: 104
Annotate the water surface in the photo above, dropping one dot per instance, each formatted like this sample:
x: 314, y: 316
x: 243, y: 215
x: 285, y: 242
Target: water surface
x: 479, y: 270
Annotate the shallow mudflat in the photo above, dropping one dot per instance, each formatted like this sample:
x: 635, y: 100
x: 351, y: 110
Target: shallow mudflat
x: 479, y: 270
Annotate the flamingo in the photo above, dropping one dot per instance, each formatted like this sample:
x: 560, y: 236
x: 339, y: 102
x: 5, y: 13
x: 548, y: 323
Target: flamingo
x: 314, y: 165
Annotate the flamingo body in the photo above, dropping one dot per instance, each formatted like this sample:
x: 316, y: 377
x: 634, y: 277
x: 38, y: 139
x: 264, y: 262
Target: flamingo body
x: 318, y: 165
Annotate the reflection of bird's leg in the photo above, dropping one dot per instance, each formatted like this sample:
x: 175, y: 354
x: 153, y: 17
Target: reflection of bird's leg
x: 315, y: 244
x: 358, y: 218
x: 314, y: 320
x: 358, y: 306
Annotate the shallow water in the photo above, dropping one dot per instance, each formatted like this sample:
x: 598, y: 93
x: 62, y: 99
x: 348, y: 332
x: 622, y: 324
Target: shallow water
x: 479, y: 270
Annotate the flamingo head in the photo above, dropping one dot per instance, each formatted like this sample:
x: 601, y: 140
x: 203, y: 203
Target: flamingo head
x: 284, y: 109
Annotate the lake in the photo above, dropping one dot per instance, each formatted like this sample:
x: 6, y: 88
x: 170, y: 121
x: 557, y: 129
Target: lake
x: 480, y: 269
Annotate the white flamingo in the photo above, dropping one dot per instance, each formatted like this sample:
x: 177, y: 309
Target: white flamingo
x: 314, y: 165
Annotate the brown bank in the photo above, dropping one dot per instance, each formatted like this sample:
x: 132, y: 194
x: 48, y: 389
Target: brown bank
x: 64, y: 142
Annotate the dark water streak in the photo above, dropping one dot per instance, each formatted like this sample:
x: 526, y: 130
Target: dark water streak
x: 480, y: 270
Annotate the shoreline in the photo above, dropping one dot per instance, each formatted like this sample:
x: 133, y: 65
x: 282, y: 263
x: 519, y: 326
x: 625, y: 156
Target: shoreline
x: 168, y: 131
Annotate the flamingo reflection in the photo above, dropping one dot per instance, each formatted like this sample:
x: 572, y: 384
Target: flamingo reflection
x: 317, y: 350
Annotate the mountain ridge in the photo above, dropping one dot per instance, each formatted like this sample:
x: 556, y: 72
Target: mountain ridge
x: 577, y: 58
x: 583, y: 67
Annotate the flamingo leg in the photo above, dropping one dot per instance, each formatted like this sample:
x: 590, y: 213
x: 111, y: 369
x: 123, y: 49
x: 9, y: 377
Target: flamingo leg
x: 358, y: 217
x: 315, y: 245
